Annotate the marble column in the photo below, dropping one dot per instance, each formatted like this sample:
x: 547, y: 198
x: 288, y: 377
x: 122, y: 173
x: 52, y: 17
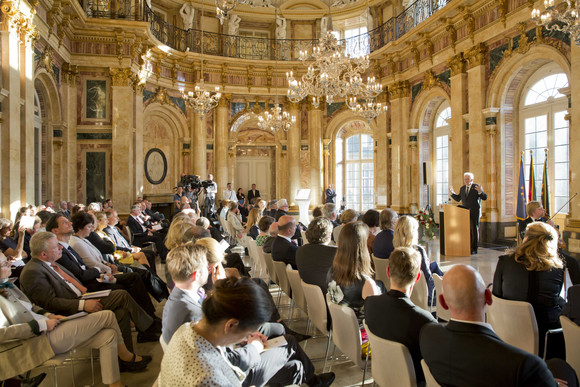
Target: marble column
x: 138, y: 126
x: 315, y: 122
x: 400, y: 100
x: 381, y: 167
x: 414, y: 175
x: 123, y: 148
x: 573, y: 218
x: 221, y: 144
x: 491, y: 161
x: 458, y: 103
x: 293, y: 148
x: 198, y: 145
x: 27, y: 123
x: 69, y: 110
x: 476, y: 83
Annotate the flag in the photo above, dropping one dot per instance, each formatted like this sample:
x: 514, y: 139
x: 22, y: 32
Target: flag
x: 521, y: 206
x: 545, y: 188
x: 532, y: 182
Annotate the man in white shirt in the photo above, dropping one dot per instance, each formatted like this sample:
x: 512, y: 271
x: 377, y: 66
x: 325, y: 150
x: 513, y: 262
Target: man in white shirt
x: 230, y: 194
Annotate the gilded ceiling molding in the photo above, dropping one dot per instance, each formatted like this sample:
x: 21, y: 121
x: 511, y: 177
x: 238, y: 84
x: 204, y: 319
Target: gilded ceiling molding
x: 399, y: 89
x: 456, y: 64
x: 416, y: 54
x: 475, y: 56
x: 502, y: 10
x: 430, y: 81
x: 12, y: 18
x: 121, y: 77
x: 524, y: 42
x: 428, y: 45
x: 45, y: 60
x: 161, y: 96
x: 451, y: 32
x: 469, y: 21
x: 69, y: 73
x: 225, y: 100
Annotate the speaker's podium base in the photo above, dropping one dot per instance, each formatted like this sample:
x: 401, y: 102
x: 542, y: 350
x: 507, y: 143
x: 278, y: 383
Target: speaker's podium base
x: 454, y: 232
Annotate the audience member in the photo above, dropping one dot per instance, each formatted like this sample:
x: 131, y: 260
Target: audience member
x: 383, y: 244
x: 329, y: 212
x: 273, y: 208
x: 392, y: 315
x: 264, y: 226
x: 283, y: 249
x: 253, y: 193
x: 235, y: 220
x: 13, y: 249
x: 371, y: 219
x: 282, y: 210
x: 572, y: 308
x: 142, y: 234
x: 315, y: 258
x: 348, y: 216
x: 252, y: 228
x: 241, y: 197
x: 467, y: 352
x: 230, y: 194
x: 317, y: 212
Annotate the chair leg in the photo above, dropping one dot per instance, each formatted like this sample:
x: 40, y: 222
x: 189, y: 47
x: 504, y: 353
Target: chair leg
x: 55, y: 376
x: 307, y: 325
x: 72, y: 363
x: 327, y: 349
x: 365, y: 369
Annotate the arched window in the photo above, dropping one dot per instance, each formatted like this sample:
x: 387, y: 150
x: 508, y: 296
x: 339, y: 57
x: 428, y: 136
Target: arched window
x: 441, y: 133
x: 355, y: 171
x: 543, y: 113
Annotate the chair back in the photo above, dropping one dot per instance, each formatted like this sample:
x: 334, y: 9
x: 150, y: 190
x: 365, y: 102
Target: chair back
x: 400, y: 372
x: 419, y: 295
x: 280, y: 268
x: 381, y: 271
x: 296, y: 286
x: 304, y: 239
x: 129, y: 234
x: 315, y: 306
x: 572, y: 339
x: 346, y: 332
x: 270, y: 266
x: 163, y: 343
x: 429, y: 379
x: 515, y: 323
x: 442, y: 313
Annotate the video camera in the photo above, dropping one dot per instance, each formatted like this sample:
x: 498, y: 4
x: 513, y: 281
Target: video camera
x: 190, y: 181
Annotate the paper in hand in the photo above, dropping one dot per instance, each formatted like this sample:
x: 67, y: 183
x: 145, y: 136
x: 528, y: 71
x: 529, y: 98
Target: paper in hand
x: 275, y: 342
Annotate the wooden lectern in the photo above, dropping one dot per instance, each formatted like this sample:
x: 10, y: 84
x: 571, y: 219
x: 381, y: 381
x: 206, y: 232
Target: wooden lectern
x: 454, y: 231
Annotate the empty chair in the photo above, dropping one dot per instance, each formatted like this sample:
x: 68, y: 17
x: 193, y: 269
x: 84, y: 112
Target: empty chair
x: 316, y: 308
x: 572, y: 339
x: 392, y: 364
x: 269, y: 266
x: 280, y: 269
x: 419, y: 295
x: 442, y: 314
x: 297, y: 291
x: 515, y: 323
x: 429, y: 379
x: 346, y: 333
x: 381, y: 271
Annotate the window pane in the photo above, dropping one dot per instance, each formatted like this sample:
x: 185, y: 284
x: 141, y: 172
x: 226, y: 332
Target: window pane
x: 546, y: 88
x: 338, y: 149
x: 561, y: 153
x: 352, y: 148
x: 561, y: 136
x: 366, y: 146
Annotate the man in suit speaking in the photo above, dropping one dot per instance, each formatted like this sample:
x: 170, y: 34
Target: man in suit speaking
x: 470, y: 195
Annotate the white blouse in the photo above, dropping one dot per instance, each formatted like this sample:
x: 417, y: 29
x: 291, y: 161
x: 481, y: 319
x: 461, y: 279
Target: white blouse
x: 91, y: 256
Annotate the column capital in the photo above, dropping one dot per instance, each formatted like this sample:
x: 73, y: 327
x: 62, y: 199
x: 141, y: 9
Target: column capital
x: 475, y: 56
x: 121, y: 76
x: 399, y: 90
x: 456, y: 64
x: 14, y: 16
x: 225, y: 100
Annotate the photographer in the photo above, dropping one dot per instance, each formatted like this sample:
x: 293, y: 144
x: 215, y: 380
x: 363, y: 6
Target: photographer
x: 210, y: 189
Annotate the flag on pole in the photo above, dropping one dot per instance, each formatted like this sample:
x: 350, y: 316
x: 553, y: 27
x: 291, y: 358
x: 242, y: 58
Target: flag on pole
x: 532, y: 182
x: 545, y: 188
x: 521, y: 206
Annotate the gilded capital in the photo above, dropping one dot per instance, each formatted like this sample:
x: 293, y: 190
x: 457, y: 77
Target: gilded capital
x: 225, y: 101
x: 399, y: 90
x: 430, y: 81
x: 69, y: 73
x: 121, y: 77
x: 12, y: 18
x: 475, y: 56
x: 456, y: 64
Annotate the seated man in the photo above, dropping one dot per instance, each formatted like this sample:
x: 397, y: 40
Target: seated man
x: 283, y: 249
x: 467, y: 352
x: 383, y: 244
x: 141, y: 233
x: 284, y: 365
x: 315, y: 258
x: 392, y: 315
x: 55, y: 289
x: 33, y: 335
x: 273, y: 233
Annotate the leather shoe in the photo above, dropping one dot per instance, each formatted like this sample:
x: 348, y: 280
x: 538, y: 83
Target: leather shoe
x: 322, y: 380
x: 132, y: 366
x: 298, y: 336
x: 146, y: 337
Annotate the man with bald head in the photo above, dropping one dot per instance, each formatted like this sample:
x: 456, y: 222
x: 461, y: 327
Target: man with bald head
x: 466, y: 351
x: 283, y: 250
x: 273, y: 233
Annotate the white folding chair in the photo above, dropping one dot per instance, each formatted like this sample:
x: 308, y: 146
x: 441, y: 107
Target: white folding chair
x: 163, y: 343
x: 419, y: 295
x: 346, y: 334
x: 429, y: 379
x: 270, y: 266
x: 381, y: 271
x: 280, y: 268
x: 442, y: 314
x: 400, y: 371
x: 316, y: 308
x: 304, y: 239
x: 572, y: 339
x: 297, y: 291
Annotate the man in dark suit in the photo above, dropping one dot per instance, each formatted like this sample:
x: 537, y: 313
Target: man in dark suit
x: 315, y: 258
x: 142, y: 234
x: 470, y: 195
x: 392, y: 315
x: 536, y: 213
x: 252, y: 194
x: 57, y: 290
x: 467, y: 352
x: 283, y: 249
x: 329, y: 194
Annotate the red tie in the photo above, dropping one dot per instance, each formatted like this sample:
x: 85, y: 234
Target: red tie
x: 68, y: 278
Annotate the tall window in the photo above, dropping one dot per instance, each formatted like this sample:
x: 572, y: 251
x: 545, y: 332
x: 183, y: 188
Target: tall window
x: 441, y: 136
x: 543, y: 112
x: 355, y: 171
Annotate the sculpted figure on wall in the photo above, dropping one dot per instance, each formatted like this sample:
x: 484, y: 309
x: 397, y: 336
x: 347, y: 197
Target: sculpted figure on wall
x: 233, y: 24
x: 280, y: 27
x: 187, y: 13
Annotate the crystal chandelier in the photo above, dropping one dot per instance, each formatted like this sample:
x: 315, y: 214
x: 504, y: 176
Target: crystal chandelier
x: 332, y: 74
x: 276, y: 119
x: 201, y: 100
x: 559, y: 19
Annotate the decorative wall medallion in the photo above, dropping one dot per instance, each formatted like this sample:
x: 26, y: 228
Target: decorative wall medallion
x: 155, y: 166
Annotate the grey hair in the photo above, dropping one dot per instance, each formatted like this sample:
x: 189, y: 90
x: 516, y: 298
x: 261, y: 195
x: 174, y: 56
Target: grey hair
x: 328, y: 210
x: 39, y: 242
x: 468, y: 174
x: 282, y: 203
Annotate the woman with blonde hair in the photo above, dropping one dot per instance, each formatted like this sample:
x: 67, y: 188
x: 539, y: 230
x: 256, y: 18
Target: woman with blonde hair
x: 406, y: 234
x: 534, y: 272
x: 175, y: 233
x: 252, y: 228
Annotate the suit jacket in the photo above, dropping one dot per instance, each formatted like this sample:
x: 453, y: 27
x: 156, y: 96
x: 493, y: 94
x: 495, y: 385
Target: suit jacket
x: 471, y: 200
x: 523, y: 224
x: 330, y: 194
x: 572, y: 309
x: 279, y: 213
x: 135, y: 227
x: 46, y: 289
x: 394, y: 317
x: 119, y: 240
x: 284, y: 251
x: 463, y: 354
x: 22, y: 345
x: 179, y: 309
x: 253, y: 194
x: 75, y: 265
x: 383, y: 244
x: 314, y: 261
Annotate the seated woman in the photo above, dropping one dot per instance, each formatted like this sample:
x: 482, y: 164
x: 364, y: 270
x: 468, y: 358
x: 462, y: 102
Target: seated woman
x: 31, y: 335
x: 383, y: 243
x: 13, y: 249
x: 251, y: 228
x: 534, y: 273
x: 407, y: 235
x: 371, y: 219
x: 83, y: 224
x: 264, y: 226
